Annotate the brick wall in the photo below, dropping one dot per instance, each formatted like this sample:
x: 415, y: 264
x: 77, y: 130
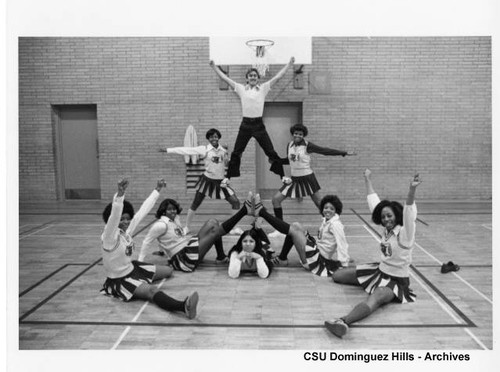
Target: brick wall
x: 404, y: 104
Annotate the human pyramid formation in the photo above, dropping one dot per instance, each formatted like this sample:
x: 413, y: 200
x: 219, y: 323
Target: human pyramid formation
x: 327, y: 255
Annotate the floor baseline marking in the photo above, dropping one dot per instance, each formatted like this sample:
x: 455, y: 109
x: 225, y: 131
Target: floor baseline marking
x: 225, y: 325
x: 47, y: 225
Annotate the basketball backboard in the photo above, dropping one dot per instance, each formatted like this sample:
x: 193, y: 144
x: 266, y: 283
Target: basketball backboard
x: 234, y: 50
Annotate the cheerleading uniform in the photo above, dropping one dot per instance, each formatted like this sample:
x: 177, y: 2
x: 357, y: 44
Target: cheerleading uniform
x: 396, y: 249
x: 215, y: 167
x: 181, y: 249
x: 304, y: 181
x: 123, y: 274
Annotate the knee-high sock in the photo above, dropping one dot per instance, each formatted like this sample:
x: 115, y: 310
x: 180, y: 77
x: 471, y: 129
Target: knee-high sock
x: 167, y: 303
x: 189, y: 218
x: 278, y: 224
x: 287, y: 246
x: 360, y: 311
x: 278, y: 212
x: 219, y: 248
x: 231, y: 222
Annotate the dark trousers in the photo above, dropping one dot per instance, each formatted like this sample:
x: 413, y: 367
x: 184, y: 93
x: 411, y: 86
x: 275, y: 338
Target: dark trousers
x: 253, y: 127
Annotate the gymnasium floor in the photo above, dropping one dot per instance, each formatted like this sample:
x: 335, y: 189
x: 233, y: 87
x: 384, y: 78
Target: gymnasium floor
x: 60, y: 274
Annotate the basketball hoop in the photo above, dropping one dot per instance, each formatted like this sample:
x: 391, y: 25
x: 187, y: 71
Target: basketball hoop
x: 260, y: 46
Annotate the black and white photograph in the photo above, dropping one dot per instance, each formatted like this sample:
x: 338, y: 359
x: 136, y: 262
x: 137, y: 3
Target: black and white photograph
x: 221, y: 186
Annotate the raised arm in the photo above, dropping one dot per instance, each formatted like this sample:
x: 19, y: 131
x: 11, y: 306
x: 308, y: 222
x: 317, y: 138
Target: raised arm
x: 146, y: 206
x: 368, y: 182
x: 371, y: 196
x: 410, y: 199
x: 222, y: 75
x: 282, y: 72
x: 407, y: 234
x: 110, y: 233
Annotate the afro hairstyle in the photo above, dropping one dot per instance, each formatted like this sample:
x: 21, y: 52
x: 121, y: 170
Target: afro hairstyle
x: 334, y: 200
x: 127, y: 208
x: 396, y: 207
x: 299, y: 128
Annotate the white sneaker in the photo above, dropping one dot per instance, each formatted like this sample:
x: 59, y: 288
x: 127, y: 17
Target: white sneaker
x: 275, y: 234
x: 236, y: 231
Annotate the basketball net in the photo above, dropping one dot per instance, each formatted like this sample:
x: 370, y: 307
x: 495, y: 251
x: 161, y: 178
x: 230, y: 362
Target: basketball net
x: 260, y: 60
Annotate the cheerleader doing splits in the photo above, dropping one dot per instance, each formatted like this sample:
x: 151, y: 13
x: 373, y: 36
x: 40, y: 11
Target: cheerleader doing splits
x: 128, y: 279
x: 387, y: 280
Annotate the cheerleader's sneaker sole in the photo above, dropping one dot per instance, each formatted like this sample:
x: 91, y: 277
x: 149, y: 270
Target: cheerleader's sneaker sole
x: 191, y: 304
x: 337, y: 327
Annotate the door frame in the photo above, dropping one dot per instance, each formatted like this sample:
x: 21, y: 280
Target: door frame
x: 299, y: 105
x: 58, y: 146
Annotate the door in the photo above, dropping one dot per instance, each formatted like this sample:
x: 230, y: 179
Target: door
x: 78, y: 151
x: 278, y: 118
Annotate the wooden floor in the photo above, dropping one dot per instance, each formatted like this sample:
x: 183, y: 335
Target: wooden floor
x: 60, y: 274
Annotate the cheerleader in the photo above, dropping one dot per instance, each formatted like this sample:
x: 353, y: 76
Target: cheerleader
x: 252, y: 96
x: 128, y: 279
x: 322, y: 256
x: 303, y: 181
x: 184, y: 251
x: 249, y: 255
x: 388, y: 280
x: 212, y: 182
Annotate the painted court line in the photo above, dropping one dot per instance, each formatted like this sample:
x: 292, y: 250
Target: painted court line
x: 478, y: 341
x: 35, y: 232
x: 235, y: 325
x: 67, y: 236
x: 438, y: 300
x: 126, y: 331
x: 456, y: 275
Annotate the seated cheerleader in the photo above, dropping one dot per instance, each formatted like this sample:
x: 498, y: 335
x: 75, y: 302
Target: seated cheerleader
x: 331, y: 241
x: 387, y: 280
x: 185, y: 251
x: 128, y: 279
x: 212, y: 182
x: 303, y: 181
x: 324, y: 255
x: 249, y: 255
